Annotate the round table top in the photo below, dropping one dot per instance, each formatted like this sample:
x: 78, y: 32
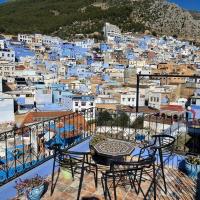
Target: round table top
x: 113, y: 147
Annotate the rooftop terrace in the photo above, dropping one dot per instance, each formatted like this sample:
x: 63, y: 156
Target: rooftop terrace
x: 25, y: 151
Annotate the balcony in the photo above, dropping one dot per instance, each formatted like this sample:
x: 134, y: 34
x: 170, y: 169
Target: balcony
x: 27, y: 151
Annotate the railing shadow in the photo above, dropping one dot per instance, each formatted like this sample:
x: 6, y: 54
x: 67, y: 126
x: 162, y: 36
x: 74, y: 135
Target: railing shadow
x: 197, y: 196
x: 90, y: 198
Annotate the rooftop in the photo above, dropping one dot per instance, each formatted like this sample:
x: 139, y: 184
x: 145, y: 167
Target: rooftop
x: 28, y: 152
x: 178, y: 184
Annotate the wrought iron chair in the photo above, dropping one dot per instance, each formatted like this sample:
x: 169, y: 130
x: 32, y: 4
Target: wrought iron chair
x: 164, y: 144
x: 130, y: 172
x: 76, y: 162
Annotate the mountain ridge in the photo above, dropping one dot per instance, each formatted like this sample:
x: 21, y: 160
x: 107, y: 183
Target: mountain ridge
x: 66, y: 18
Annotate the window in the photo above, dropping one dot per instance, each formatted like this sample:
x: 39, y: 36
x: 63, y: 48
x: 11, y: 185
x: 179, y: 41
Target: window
x: 83, y: 103
x: 129, y: 99
x: 157, y: 99
x: 133, y: 99
x: 123, y: 99
x: 91, y: 103
x: 76, y: 103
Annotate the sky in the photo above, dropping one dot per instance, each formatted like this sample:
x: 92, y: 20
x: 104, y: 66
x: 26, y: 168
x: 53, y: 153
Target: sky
x: 188, y: 4
x: 2, y: 1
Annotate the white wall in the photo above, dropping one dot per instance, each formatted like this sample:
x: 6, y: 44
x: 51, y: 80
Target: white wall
x: 130, y: 100
x: 80, y: 107
x: 43, y: 96
x: 6, y: 110
x: 1, y: 85
x: 8, y: 55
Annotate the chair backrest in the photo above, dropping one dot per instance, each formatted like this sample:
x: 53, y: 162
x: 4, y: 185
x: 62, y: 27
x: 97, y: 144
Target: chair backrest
x: 64, y: 156
x: 165, y: 143
x: 146, y: 162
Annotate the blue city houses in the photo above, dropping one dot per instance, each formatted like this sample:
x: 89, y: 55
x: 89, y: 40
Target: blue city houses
x: 90, y: 60
x: 104, y: 47
x: 81, y: 71
x: 72, y: 71
x: 51, y: 107
x: 130, y: 55
x: 106, y: 77
x: 72, y: 51
x: 22, y: 52
x: 59, y: 86
x: 143, y: 45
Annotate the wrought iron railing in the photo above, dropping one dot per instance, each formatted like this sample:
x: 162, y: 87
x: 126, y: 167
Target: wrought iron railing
x: 26, y: 147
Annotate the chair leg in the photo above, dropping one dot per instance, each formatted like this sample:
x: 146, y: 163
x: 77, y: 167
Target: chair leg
x: 102, y: 183
x: 114, y: 187
x: 96, y: 176
x: 71, y: 167
x: 81, y: 179
x: 107, y: 190
x: 140, y: 181
x: 52, y: 175
x: 162, y: 169
x: 103, y: 179
x: 154, y: 181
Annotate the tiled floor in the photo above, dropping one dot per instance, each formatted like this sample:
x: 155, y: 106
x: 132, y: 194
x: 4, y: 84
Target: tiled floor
x: 179, y: 186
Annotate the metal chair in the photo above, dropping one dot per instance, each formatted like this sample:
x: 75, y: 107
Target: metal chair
x: 131, y: 172
x: 76, y: 162
x: 164, y: 144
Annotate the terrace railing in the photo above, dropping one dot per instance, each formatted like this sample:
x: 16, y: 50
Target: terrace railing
x: 24, y: 148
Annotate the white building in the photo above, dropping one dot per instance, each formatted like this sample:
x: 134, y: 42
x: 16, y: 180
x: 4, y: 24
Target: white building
x: 2, y: 44
x: 43, y: 96
x: 7, y: 54
x: 111, y: 30
x: 1, y: 85
x: 87, y: 43
x: 49, y: 40
x: 159, y: 96
x: 106, y: 99
x: 38, y: 39
x: 130, y: 100
x: 82, y: 102
x: 7, y: 68
x: 27, y: 38
x: 6, y: 109
x: 29, y: 74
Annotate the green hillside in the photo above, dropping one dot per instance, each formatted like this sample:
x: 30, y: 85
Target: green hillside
x: 66, y: 17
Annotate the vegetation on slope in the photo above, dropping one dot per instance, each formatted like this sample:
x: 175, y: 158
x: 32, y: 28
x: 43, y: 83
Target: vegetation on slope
x: 65, y: 17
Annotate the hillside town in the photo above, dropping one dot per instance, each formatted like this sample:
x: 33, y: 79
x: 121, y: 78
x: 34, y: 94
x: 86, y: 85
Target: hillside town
x: 42, y: 77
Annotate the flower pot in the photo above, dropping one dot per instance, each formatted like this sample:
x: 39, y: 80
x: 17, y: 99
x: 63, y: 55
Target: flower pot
x: 36, y: 193
x: 192, y: 170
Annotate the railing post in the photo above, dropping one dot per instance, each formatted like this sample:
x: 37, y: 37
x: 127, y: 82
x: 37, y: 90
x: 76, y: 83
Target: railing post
x: 137, y: 92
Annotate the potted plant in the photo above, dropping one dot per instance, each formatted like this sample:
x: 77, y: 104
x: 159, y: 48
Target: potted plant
x: 192, y: 165
x: 33, y: 187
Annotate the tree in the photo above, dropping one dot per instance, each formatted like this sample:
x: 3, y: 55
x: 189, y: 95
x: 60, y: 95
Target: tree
x: 154, y: 33
x: 138, y: 123
x: 122, y: 120
x: 103, y: 118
